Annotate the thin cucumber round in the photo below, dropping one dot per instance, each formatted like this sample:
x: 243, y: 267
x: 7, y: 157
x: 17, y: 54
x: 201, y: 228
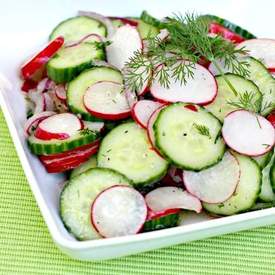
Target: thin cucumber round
x: 266, y: 83
x: 54, y: 146
x: 264, y: 159
x: 78, y: 87
x: 127, y: 150
x: 78, y: 196
x: 267, y: 194
x: 147, y: 18
x: 231, y: 26
x: 189, y: 139
x: 90, y: 163
x: 75, y: 28
x: 167, y: 221
x: 71, y: 61
x: 146, y: 30
x: 220, y: 107
x: 246, y: 193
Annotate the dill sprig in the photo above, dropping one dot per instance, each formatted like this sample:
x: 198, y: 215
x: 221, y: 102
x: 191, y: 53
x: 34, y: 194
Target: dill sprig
x: 247, y: 102
x: 202, y: 129
x: 86, y: 131
x: 188, y: 40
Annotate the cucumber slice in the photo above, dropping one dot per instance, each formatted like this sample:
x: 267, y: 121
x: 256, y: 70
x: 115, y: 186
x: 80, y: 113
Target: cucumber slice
x: 146, y: 30
x: 220, y: 107
x: 54, y: 146
x: 229, y: 25
x: 161, y: 223
x: 189, y: 139
x: 264, y: 159
x: 127, y: 149
x: 90, y: 163
x: 147, y: 18
x: 78, y: 87
x: 78, y: 195
x: 75, y: 28
x: 267, y: 194
x: 246, y: 193
x: 71, y: 61
x: 266, y: 83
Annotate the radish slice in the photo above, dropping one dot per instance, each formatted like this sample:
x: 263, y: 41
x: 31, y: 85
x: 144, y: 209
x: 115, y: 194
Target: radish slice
x: 124, y: 43
x: 104, y: 20
x: 118, y: 211
x: 33, y: 121
x: 201, y: 89
x: 150, y: 130
x: 215, y: 184
x: 106, y: 100
x: 170, y: 197
x: 142, y: 111
x: 44, y: 85
x: 124, y: 20
x: 59, y: 126
x: 94, y: 126
x: 60, y: 92
x: 262, y: 49
x: 248, y: 133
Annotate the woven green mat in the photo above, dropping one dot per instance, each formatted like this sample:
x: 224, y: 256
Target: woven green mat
x: 26, y: 246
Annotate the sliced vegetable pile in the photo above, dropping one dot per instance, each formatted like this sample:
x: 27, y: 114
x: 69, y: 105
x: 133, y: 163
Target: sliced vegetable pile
x: 151, y: 118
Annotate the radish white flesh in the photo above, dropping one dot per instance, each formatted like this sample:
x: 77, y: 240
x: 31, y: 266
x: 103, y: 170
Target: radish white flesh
x: 131, y: 98
x: 215, y: 184
x: 262, y: 49
x: 65, y: 123
x: 33, y: 121
x: 143, y: 109
x: 247, y: 133
x: 169, y: 197
x: 124, y: 43
x: 48, y: 101
x: 119, y: 211
x: 199, y: 89
x: 106, y: 100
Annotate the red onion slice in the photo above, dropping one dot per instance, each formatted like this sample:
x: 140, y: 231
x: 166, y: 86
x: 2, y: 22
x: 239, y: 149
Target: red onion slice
x: 104, y: 20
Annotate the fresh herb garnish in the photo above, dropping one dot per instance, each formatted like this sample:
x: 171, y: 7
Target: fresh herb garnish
x: 202, y: 129
x: 85, y: 132
x: 188, y: 40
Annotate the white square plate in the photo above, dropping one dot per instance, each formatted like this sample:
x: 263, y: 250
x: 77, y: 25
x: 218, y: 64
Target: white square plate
x: 24, y: 26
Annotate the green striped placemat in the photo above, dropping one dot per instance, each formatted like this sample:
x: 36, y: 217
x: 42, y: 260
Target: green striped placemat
x: 26, y: 246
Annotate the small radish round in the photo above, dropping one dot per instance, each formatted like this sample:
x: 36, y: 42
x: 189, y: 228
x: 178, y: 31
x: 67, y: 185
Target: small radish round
x: 199, y: 89
x: 59, y: 126
x: 143, y: 109
x: 248, y: 133
x: 124, y: 43
x: 118, y: 211
x: 60, y: 92
x: 262, y: 49
x: 33, y: 121
x: 169, y: 197
x: 131, y: 98
x: 215, y: 184
x: 107, y: 100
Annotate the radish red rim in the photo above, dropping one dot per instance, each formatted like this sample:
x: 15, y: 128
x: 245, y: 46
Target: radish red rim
x: 248, y: 133
x: 59, y: 126
x: 201, y: 89
x: 107, y: 100
x: 118, y: 211
x: 169, y: 197
x: 142, y: 111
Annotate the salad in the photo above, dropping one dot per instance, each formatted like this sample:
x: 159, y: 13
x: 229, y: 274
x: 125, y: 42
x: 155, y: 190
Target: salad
x: 149, y: 118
